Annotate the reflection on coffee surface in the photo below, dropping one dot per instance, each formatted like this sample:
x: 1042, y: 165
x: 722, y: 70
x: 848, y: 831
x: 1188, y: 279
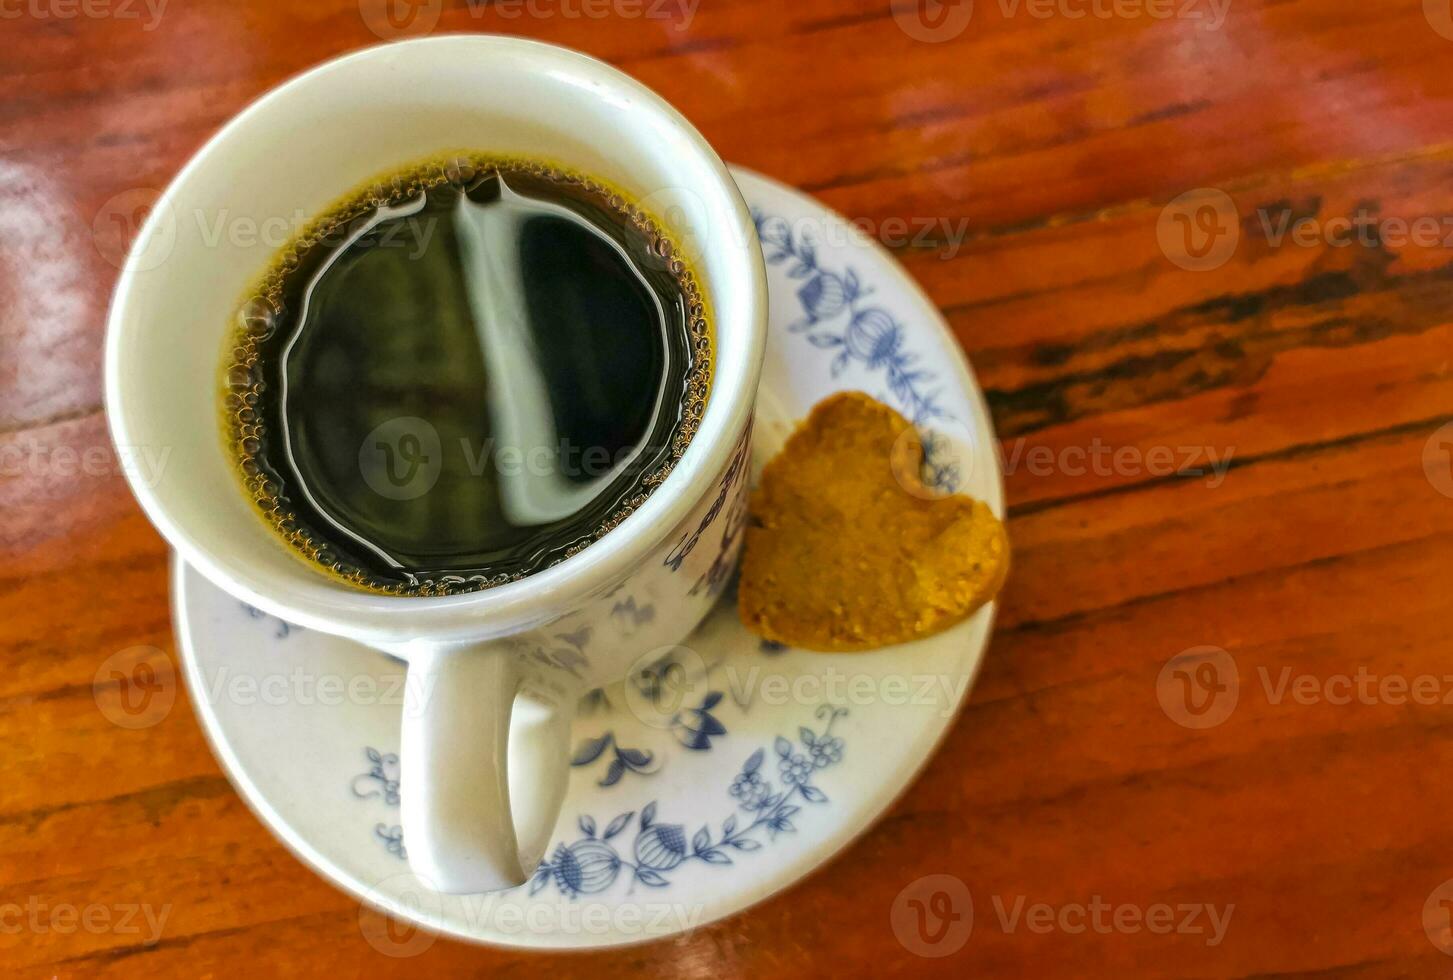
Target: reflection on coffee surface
x: 466, y: 373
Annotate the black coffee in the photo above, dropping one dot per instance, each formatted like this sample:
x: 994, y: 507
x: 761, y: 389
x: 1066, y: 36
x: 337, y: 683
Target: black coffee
x: 464, y: 374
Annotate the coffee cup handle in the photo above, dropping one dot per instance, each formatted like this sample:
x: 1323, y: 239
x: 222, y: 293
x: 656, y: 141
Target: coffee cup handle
x: 483, y: 764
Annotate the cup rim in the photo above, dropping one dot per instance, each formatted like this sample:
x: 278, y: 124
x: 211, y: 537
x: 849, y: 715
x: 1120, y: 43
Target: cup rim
x: 545, y: 593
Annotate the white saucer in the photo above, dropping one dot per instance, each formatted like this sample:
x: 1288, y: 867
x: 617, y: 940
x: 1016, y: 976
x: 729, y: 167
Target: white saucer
x: 701, y: 787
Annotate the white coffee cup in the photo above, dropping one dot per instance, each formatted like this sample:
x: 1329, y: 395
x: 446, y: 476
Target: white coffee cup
x: 493, y: 675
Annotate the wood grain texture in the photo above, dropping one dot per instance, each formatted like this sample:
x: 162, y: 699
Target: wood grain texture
x: 1054, y: 143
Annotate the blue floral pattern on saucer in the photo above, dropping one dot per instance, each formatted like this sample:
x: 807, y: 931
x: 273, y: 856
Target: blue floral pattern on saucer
x: 592, y: 863
x: 836, y: 318
x: 598, y: 858
x: 866, y: 333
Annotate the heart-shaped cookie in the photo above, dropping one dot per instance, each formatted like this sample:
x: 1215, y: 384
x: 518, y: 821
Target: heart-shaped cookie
x: 847, y: 550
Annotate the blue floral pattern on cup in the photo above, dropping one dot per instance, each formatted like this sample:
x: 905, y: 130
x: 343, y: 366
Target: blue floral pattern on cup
x: 281, y: 629
x: 735, y: 474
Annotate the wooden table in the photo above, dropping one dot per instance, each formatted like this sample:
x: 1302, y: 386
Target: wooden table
x: 1121, y: 343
